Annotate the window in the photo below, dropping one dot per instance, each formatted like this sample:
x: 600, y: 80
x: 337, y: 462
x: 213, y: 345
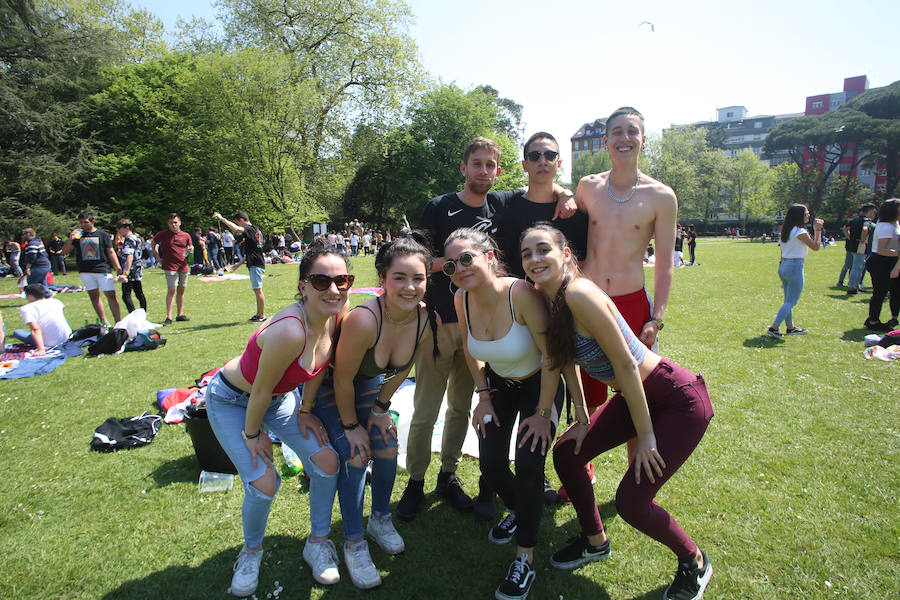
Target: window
x: 816, y: 105
x: 883, y: 172
x: 757, y: 125
x: 728, y: 115
x: 835, y: 103
x: 596, y: 144
x: 881, y: 187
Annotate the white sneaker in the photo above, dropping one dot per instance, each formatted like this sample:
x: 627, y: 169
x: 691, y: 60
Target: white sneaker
x: 246, y: 572
x: 385, y: 535
x: 323, y: 560
x: 362, y: 571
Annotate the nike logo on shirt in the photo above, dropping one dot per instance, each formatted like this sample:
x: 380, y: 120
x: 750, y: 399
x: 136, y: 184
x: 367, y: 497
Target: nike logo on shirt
x: 450, y: 213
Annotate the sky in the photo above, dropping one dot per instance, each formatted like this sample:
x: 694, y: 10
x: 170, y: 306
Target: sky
x: 569, y: 62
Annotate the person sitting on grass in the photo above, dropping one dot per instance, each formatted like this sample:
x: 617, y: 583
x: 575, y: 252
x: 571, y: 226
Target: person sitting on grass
x: 259, y: 388
x: 664, y: 406
x: 390, y: 330
x: 47, y: 325
x: 503, y: 325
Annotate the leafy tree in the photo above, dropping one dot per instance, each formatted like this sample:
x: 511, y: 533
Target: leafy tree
x: 842, y: 196
x: 883, y: 105
x: 674, y: 161
x: 749, y: 186
x: 790, y: 184
x: 588, y: 163
x: 713, y: 182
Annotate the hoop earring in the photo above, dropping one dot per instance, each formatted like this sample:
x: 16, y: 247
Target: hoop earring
x: 450, y: 287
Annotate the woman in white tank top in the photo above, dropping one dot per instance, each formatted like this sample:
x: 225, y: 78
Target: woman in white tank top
x: 502, y: 322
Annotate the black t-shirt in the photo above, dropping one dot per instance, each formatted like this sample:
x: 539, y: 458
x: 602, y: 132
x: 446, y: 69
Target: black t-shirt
x: 445, y: 214
x: 522, y: 213
x: 251, y: 246
x: 855, y: 225
x: 91, y: 251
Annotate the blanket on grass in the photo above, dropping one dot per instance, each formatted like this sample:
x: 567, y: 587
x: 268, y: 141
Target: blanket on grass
x: 29, y: 365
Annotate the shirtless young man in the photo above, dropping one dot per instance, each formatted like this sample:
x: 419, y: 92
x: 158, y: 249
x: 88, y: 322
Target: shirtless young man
x: 625, y: 209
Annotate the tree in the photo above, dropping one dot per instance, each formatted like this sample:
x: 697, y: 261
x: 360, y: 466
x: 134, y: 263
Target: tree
x: 674, y: 161
x: 588, y: 163
x: 749, y: 186
x: 841, y: 196
x: 883, y: 105
x: 790, y: 185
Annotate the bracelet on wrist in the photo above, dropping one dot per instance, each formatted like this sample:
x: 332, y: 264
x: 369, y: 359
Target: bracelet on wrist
x: 351, y: 426
x: 384, y: 406
x: 483, y: 389
x: 250, y: 437
x: 375, y: 413
x: 303, y: 411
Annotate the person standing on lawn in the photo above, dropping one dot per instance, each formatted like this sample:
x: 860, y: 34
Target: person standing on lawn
x: 795, y: 243
x: 132, y: 266
x: 258, y: 389
x: 884, y: 266
x: 94, y: 255
x: 35, y: 260
x: 665, y: 408
x: 57, y: 259
x: 171, y: 248
x: 503, y: 331
x: 857, y: 233
x: 251, y: 241
x: 391, y: 330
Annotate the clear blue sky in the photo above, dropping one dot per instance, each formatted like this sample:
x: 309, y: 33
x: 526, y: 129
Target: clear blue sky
x: 571, y: 61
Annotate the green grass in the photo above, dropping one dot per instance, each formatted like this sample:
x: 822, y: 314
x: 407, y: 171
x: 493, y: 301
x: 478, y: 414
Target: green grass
x: 795, y: 484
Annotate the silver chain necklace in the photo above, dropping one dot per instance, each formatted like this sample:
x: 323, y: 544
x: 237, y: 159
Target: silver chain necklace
x: 630, y: 194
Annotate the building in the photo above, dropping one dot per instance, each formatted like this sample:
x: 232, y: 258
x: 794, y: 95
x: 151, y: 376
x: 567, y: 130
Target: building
x: 588, y: 138
x: 872, y: 176
x: 734, y: 131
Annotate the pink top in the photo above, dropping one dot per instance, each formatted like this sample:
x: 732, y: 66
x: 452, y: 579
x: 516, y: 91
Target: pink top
x: 295, y: 373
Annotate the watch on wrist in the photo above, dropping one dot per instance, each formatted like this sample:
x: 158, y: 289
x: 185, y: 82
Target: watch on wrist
x: 384, y: 406
x: 545, y: 412
x: 659, y: 323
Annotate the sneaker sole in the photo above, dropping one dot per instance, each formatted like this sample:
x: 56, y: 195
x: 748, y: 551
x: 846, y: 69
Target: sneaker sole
x: 501, y: 541
x: 498, y: 595
x: 319, y: 578
x: 772, y: 334
x: 387, y: 550
x: 574, y: 564
x: 366, y: 586
x: 242, y: 593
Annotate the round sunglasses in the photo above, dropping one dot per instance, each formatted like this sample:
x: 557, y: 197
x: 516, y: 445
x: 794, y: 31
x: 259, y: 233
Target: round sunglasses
x: 323, y: 282
x: 465, y: 259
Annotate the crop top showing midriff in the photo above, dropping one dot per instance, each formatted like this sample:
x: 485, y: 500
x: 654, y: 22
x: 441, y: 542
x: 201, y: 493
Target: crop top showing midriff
x: 368, y: 367
x: 590, y: 356
x: 295, y: 373
x: 515, y: 355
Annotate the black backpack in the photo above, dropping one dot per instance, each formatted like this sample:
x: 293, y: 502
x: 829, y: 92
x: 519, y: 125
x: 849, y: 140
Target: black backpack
x: 129, y: 432
x: 110, y: 343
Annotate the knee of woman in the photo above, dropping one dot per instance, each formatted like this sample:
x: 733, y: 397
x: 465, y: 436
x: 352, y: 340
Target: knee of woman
x: 389, y: 453
x: 357, y: 461
x: 631, y: 505
x: 269, y: 483
x: 327, y: 461
x: 563, y: 453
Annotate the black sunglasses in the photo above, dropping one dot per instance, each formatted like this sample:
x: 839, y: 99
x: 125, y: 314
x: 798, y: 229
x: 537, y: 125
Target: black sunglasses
x: 535, y: 155
x: 465, y: 259
x: 323, y: 282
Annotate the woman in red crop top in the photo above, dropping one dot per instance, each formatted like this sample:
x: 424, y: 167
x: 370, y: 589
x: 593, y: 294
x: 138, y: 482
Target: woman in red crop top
x: 259, y: 388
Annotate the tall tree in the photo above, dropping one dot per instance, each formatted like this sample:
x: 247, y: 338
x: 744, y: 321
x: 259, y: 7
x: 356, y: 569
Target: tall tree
x: 883, y: 105
x: 749, y: 186
x: 674, y: 160
x: 588, y: 163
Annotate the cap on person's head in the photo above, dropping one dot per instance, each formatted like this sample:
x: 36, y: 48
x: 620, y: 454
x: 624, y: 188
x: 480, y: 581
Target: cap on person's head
x: 37, y: 290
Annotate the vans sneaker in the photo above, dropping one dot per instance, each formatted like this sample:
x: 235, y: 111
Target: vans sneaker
x: 323, y: 560
x: 579, y: 552
x: 772, y: 332
x: 246, y: 572
x: 362, y: 570
x: 690, y: 581
x: 449, y: 486
x: 503, y: 531
x: 381, y: 529
x: 518, y: 581
x: 796, y: 331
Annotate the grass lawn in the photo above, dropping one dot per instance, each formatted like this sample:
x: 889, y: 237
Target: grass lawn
x: 793, y: 493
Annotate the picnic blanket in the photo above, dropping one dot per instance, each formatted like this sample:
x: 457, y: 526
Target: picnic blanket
x: 225, y: 277
x: 29, y: 365
x: 371, y: 291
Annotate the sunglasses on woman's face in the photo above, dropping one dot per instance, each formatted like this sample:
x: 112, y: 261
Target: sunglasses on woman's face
x: 465, y: 259
x: 323, y: 282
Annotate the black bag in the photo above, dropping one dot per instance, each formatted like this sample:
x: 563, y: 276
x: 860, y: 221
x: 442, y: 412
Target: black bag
x: 129, y: 432
x: 110, y: 343
x: 89, y: 330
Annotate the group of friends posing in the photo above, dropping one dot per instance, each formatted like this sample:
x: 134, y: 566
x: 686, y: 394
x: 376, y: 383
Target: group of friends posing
x: 456, y: 305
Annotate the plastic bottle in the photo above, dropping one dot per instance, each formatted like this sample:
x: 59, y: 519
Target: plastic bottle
x: 215, y: 482
x: 292, y: 463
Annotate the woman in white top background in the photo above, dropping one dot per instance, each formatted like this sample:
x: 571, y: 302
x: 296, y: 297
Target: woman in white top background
x: 884, y: 267
x: 795, y: 243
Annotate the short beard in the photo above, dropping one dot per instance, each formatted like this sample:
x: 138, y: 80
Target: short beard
x: 479, y: 188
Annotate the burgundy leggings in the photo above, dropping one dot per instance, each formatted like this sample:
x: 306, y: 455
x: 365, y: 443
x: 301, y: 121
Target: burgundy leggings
x: 680, y: 411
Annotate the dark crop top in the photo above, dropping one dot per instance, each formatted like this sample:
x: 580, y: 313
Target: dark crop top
x: 590, y: 356
x: 295, y: 373
x: 368, y: 368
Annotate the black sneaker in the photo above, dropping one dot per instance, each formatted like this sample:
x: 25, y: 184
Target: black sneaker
x: 774, y: 333
x: 182, y: 318
x: 485, y: 506
x: 504, y: 531
x: 167, y: 322
x: 579, y: 552
x: 518, y: 581
x: 411, y: 499
x: 891, y: 323
x: 796, y: 331
x: 256, y: 319
x: 550, y: 495
x: 449, y: 487
x: 875, y: 325
x: 690, y: 581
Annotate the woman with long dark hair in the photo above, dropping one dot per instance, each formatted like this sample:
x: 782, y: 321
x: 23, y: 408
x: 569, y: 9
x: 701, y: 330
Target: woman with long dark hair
x: 503, y: 323
x: 884, y: 267
x: 664, y: 406
x: 380, y: 340
x: 795, y: 243
x: 257, y: 389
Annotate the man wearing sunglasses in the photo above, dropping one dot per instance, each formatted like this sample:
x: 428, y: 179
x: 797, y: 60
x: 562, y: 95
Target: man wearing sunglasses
x: 477, y: 207
x: 251, y: 240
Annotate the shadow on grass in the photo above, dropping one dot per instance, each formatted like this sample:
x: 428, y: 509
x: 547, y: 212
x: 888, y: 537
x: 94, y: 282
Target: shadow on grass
x: 858, y: 335
x: 762, y: 341
x: 193, y: 328
x: 181, y: 470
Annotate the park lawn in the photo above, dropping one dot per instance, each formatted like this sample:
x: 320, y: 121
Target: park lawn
x: 792, y: 493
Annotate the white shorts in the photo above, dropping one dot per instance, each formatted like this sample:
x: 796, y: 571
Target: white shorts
x: 92, y: 281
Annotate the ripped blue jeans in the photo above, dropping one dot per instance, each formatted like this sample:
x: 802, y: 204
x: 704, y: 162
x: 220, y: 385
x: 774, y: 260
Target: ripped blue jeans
x: 227, y: 409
